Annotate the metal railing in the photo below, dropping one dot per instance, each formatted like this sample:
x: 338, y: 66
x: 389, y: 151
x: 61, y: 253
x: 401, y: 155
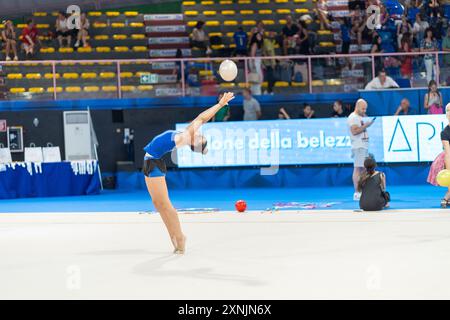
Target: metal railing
x: 309, y: 60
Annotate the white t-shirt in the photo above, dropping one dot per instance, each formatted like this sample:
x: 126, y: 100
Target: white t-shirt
x: 376, y: 84
x: 360, y: 140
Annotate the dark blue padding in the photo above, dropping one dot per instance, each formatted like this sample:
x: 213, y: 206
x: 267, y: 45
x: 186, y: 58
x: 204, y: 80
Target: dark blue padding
x: 287, y: 177
x: 56, y: 179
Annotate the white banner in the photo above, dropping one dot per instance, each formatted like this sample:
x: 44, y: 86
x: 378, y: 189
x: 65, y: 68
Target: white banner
x: 180, y: 28
x: 168, y: 40
x: 412, y: 138
x: 163, y: 17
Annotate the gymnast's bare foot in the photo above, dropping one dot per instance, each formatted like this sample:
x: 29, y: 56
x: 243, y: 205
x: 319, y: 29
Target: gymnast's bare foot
x: 180, y: 244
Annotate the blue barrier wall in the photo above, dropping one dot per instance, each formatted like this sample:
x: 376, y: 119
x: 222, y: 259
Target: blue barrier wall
x: 287, y: 177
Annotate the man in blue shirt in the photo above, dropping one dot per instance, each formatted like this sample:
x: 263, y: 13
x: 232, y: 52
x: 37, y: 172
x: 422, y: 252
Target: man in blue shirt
x: 241, y: 40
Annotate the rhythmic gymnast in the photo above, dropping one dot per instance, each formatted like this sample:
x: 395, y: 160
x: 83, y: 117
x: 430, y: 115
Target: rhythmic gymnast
x: 154, y: 167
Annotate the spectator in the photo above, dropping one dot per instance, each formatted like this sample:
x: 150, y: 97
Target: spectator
x: 223, y: 114
x: 302, y: 39
x: 446, y: 48
x: 429, y: 44
x: 308, y: 112
x: 282, y: 114
x: 381, y: 82
x: 433, y: 99
x: 269, y: 64
x: 29, y: 38
x: 241, y: 42
x: 338, y: 110
x: 62, y: 30
x: 404, y: 108
x: 345, y: 35
x: 359, y: 29
x: 255, y: 77
x: 376, y: 45
x: 403, y: 28
x: 82, y: 31
x: 252, y: 109
x: 407, y: 60
x: 322, y: 12
x: 372, y: 186
x: 199, y: 39
x: 434, y: 9
x: 289, y: 31
x: 419, y: 29
x: 9, y: 38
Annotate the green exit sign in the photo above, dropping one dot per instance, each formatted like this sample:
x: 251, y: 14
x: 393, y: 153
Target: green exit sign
x: 149, y: 78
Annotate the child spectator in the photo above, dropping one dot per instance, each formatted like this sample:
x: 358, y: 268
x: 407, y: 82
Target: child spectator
x: 9, y: 38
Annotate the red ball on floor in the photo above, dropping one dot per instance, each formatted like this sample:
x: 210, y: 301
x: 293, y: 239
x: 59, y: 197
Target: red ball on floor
x: 240, y: 205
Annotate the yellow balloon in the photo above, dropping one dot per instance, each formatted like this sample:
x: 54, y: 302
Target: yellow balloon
x: 443, y: 178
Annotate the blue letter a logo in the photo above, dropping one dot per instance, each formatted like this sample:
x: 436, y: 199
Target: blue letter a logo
x: 399, y: 142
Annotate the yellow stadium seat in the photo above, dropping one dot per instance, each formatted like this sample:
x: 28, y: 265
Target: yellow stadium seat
x: 324, y: 32
x: 268, y: 22
x: 232, y: 46
x: 230, y: 34
x: 33, y: 76
x: 55, y: 13
x: 215, y: 34
x: 227, y: 85
x: 131, y: 13
x: 217, y: 46
x: 128, y: 88
x: 47, y: 50
x: 334, y: 82
x: 249, y: 23
x: 145, y: 87
x: 230, y: 23
x: 109, y: 88
x: 101, y: 37
x: 228, y: 12
x: 301, y: 10
x: 205, y: 73
x: 103, y: 49
x: 107, y: 75
x: 137, y: 25
x: 139, y: 48
x: 84, y: 49
x: 300, y: 1
x: 244, y: 2
x: 118, y: 25
x: 91, y: 89
x: 188, y: 3
x: 226, y: 2
x: 281, y: 1
x: 21, y: 25
x: 105, y: 63
x: 283, y: 11
x: 66, y: 63
x: 51, y: 89
x: 141, y: 73
x: 243, y: 85
x: 89, y: 75
x: 50, y: 76
x: 207, y: 3
x: 17, y: 90
x: 87, y: 63
x: 112, y: 13
x: 119, y: 36
x: 99, y: 25
x: 2, y: 26
x: 191, y: 13
x: 94, y: 13
x: 126, y: 74
x: 282, y: 21
x: 209, y: 13
x: 298, y: 84
x: 40, y: 14
x: 73, y: 89
x: 70, y: 75
x: 317, y: 83
x: 281, y: 84
x: 326, y: 44
x: 36, y: 90
x: 192, y: 23
x: 121, y: 49
x: 247, y: 12
x: 138, y: 36
x: 16, y: 76
x: 42, y: 26
x: 211, y: 23
x: 65, y: 50
x: 265, y: 11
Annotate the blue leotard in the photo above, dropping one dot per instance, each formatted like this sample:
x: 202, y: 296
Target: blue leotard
x: 160, y: 145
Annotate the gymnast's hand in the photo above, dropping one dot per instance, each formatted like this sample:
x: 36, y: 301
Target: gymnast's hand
x: 227, y: 97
